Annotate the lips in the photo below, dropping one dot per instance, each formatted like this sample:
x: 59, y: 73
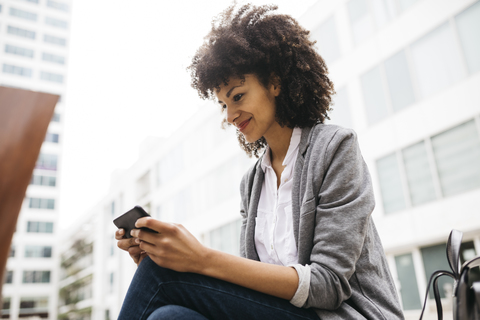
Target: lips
x: 244, y: 124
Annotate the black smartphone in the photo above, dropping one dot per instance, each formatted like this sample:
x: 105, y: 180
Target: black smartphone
x: 127, y: 220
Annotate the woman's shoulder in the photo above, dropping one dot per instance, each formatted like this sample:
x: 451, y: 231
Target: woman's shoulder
x: 327, y: 133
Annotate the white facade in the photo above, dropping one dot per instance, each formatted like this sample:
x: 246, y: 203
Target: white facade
x: 34, y: 37
x: 407, y: 78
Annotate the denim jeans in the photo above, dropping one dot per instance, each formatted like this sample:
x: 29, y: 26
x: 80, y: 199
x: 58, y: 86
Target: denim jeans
x: 160, y: 293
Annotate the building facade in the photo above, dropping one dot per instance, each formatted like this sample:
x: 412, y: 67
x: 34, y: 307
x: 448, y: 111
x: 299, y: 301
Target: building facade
x: 407, y: 78
x: 34, y: 37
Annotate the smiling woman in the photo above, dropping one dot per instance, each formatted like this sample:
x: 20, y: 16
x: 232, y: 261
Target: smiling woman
x: 309, y: 248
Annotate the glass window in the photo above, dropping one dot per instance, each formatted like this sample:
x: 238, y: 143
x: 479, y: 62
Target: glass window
x: 23, y: 14
x: 341, y: 109
x: 437, y: 61
x: 57, y: 5
x: 52, y: 77
x: 468, y: 24
x: 56, y: 117
x: 53, y: 58
x: 383, y: 11
x: 36, y: 277
x: 5, y: 305
x: 8, y: 277
x: 360, y: 19
x: 56, y: 23
x: 38, y: 251
x: 390, y: 184
x: 171, y: 165
x: 40, y: 180
x: 40, y: 227
x: 55, y: 40
x: 374, y: 95
x: 457, y: 155
x: 41, y: 203
x: 19, y: 71
x: 419, y: 176
x: 467, y: 252
x: 435, y: 258
x: 408, y: 282
x: 12, y: 251
x: 21, y: 32
x: 51, y: 137
x: 399, y: 81
x: 47, y: 161
x: 32, y: 1
x: 227, y: 238
x: 34, y: 307
x: 19, y: 51
x: 327, y: 40
x: 405, y: 4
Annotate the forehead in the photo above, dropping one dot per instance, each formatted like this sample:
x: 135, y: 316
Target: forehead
x: 231, y: 82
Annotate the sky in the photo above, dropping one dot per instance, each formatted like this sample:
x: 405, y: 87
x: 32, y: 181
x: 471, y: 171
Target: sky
x: 127, y: 80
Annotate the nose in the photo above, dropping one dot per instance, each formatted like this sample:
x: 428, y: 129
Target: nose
x: 232, y: 114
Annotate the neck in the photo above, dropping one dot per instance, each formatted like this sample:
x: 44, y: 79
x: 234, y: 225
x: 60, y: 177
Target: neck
x: 278, y: 142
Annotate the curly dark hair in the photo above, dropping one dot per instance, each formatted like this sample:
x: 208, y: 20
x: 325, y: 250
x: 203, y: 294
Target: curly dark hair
x: 253, y: 40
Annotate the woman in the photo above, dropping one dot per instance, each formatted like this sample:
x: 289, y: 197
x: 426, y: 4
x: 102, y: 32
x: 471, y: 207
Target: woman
x: 309, y: 248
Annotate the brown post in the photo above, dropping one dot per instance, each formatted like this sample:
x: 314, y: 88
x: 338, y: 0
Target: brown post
x: 24, y: 119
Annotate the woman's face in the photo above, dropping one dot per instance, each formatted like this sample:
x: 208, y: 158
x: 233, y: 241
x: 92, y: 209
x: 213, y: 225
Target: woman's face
x: 250, y: 106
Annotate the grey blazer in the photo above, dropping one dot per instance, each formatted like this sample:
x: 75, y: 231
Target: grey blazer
x: 332, y: 200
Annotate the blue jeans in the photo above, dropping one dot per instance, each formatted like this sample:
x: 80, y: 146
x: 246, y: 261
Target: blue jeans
x: 160, y: 293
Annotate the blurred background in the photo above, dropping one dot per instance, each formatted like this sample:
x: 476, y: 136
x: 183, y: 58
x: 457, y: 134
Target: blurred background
x: 128, y: 130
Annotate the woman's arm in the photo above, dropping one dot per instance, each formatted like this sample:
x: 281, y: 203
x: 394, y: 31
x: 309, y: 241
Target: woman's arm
x: 174, y: 247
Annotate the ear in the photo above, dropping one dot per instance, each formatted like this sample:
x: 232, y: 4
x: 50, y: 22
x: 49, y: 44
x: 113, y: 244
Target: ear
x: 275, y: 82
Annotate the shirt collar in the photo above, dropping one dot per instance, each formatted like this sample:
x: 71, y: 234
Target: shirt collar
x: 291, y: 152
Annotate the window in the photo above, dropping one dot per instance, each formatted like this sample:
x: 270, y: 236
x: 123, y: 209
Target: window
x: 171, y: 165
x: 21, y: 32
x: 39, y: 180
x: 8, y: 277
x: 36, y: 277
x: 374, y: 95
x: 451, y: 168
x: 51, y: 137
x: 405, y: 4
x: 53, y: 58
x: 391, y: 183
x: 57, y: 5
x: 41, y: 203
x: 33, y: 307
x: 383, y: 11
x: 226, y: 238
x: 112, y: 208
x: 341, y: 109
x: 434, y: 258
x: 327, y: 40
x: 12, y: 251
x: 56, y: 23
x: 32, y: 1
x: 107, y: 314
x: 360, y: 19
x: 437, y: 61
x: 55, y: 40
x: 40, y: 227
x: 399, y: 81
x: 19, y: 71
x: 38, y: 251
x: 23, y: 14
x: 47, y: 161
x: 468, y: 24
x: 111, y: 283
x: 457, y: 155
x: 53, y: 77
x: 419, y: 175
x: 143, y: 185
x: 56, y: 117
x: 5, y: 305
x: 408, y: 282
x: 19, y: 51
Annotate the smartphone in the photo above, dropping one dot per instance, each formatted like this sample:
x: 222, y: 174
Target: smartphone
x: 127, y: 220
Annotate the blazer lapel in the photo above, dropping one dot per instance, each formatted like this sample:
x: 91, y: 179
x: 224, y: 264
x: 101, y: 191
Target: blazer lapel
x: 251, y: 252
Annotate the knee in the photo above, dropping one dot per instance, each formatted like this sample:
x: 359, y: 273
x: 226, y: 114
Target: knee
x: 174, y: 312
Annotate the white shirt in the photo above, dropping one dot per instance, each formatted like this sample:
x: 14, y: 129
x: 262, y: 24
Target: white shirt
x: 274, y: 238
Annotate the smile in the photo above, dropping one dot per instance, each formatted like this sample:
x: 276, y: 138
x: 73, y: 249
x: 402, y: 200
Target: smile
x: 243, y: 125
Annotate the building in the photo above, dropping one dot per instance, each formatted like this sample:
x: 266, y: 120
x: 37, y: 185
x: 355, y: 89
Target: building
x: 34, y: 37
x: 407, y: 78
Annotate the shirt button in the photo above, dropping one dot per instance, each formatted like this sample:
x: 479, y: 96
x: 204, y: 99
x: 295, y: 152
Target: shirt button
x: 271, y: 246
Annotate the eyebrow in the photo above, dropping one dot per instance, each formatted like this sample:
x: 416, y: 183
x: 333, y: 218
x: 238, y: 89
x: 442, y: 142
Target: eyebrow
x: 229, y: 92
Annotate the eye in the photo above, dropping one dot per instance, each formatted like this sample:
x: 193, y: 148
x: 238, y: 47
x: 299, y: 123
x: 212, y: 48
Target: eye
x: 237, y: 97
x: 224, y: 107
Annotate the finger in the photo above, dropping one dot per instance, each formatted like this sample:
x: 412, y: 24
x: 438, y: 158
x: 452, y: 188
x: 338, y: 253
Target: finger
x: 124, y: 244
x: 145, y: 235
x: 148, y: 247
x: 159, y: 226
x: 119, y: 234
x: 135, y: 251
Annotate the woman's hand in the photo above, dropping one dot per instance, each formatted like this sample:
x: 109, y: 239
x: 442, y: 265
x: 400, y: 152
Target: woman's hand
x: 130, y: 246
x: 173, y: 247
